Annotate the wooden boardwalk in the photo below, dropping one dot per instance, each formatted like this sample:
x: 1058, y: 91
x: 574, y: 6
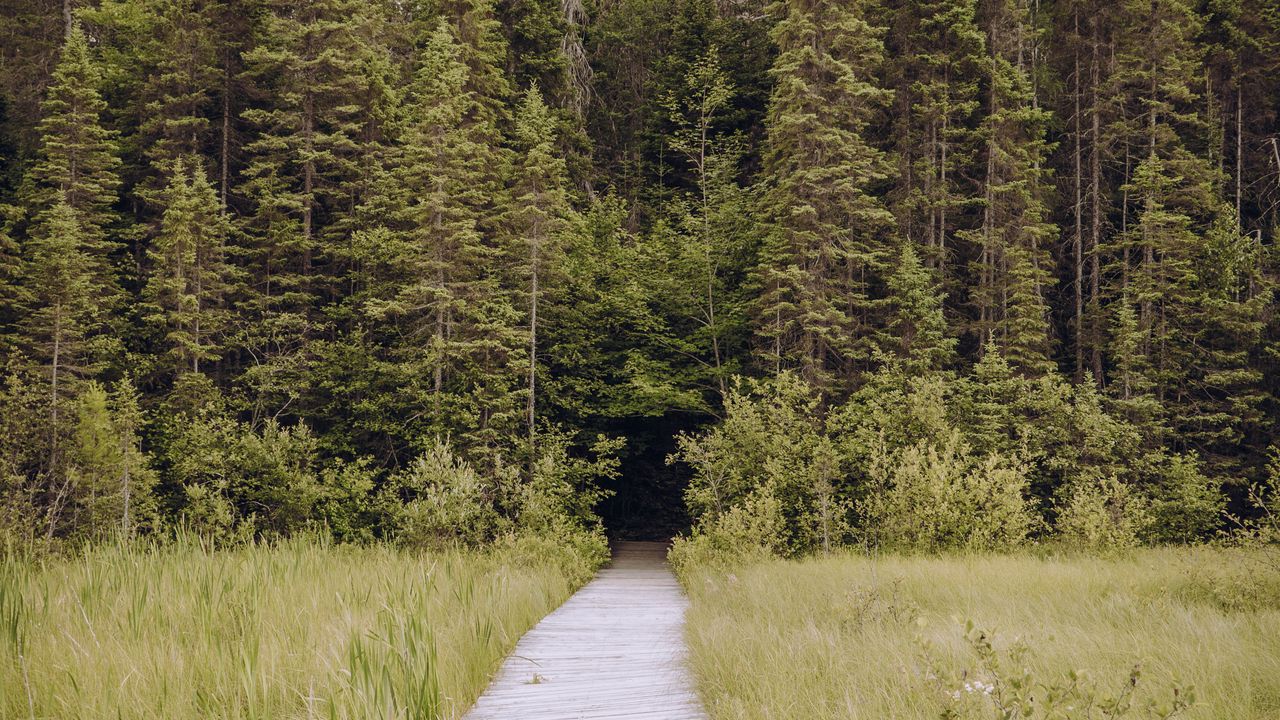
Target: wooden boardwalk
x: 614, y: 650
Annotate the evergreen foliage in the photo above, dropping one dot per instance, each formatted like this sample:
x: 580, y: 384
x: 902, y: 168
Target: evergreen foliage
x: 393, y: 269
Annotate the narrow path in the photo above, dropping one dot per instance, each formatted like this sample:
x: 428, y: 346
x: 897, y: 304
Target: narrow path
x: 614, y: 650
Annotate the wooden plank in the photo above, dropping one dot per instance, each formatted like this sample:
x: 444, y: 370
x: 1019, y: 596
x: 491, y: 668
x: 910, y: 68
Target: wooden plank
x: 613, y: 651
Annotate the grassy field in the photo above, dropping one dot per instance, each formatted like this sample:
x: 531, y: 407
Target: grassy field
x: 298, y: 630
x: 852, y: 636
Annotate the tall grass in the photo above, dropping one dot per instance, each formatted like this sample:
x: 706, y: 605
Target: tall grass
x: 301, y: 629
x: 857, y: 637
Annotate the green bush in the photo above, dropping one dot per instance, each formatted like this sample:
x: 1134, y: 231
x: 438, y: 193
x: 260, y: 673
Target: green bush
x: 446, y: 501
x: 271, y: 479
x: 750, y: 531
x: 1103, y: 514
x: 930, y: 497
x: 772, y: 444
x: 1186, y: 506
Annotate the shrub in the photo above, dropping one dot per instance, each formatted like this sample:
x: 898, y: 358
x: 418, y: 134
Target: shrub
x: 943, y: 496
x: 765, y: 422
x: 750, y: 531
x: 1186, y: 506
x: 1103, y: 514
x: 772, y: 444
x: 270, y: 478
x: 1000, y: 685
x: 1264, y: 496
x: 446, y: 501
x: 559, y: 500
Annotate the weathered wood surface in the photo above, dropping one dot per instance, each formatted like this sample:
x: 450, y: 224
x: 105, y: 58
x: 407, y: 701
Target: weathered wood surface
x: 614, y: 650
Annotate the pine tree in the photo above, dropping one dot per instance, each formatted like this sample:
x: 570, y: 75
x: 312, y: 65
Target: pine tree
x: 319, y: 104
x: 64, y: 310
x: 78, y: 163
x: 12, y: 292
x: 1015, y: 235
x: 175, y: 46
x: 483, y: 49
x: 190, y: 276
x: 541, y: 219
x: 313, y: 65
x: 939, y: 62
x: 917, y: 319
x: 1131, y: 386
x: 828, y: 243
x: 1182, y: 259
x: 434, y: 287
x: 109, y: 480
x: 1218, y: 322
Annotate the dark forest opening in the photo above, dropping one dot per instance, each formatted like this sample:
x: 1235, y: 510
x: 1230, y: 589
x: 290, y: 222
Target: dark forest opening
x: 648, y: 495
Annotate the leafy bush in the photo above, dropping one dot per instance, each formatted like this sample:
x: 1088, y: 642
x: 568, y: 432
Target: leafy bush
x: 1186, y: 506
x: 446, y: 501
x: 771, y: 450
x: 943, y: 496
x: 1103, y: 514
x: 270, y: 479
x: 559, y: 501
x: 936, y: 460
x: 750, y: 531
x: 1264, y: 524
x: 443, y: 499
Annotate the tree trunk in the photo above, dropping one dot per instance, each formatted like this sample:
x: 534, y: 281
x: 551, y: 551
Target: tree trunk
x: 1095, y: 199
x: 533, y: 344
x: 1078, y: 239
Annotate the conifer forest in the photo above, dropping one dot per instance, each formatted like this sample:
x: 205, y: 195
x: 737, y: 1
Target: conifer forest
x: 794, y: 359
x: 928, y: 273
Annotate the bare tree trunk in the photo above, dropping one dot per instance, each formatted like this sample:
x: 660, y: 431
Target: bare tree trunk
x: 308, y: 187
x: 1095, y: 197
x: 1239, y: 149
x: 533, y: 344
x: 1078, y: 239
x: 225, y: 159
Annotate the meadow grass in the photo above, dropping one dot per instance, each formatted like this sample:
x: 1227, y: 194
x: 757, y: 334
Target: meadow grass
x: 301, y: 629
x: 854, y: 636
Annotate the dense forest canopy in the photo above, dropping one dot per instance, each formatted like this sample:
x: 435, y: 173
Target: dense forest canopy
x: 389, y: 266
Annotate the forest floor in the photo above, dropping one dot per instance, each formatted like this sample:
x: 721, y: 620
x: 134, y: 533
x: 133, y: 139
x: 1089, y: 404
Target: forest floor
x: 296, y: 630
x: 1070, y: 636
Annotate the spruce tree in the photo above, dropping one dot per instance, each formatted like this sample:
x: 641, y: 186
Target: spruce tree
x: 63, y: 311
x: 541, y: 220
x: 917, y: 321
x: 449, y: 327
x: 483, y: 49
x: 939, y: 62
x: 1182, y: 261
x: 820, y: 307
x: 174, y: 45
x: 189, y: 274
x: 312, y: 72
x: 1015, y: 235
x: 319, y: 101
x: 12, y: 292
x: 78, y: 163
